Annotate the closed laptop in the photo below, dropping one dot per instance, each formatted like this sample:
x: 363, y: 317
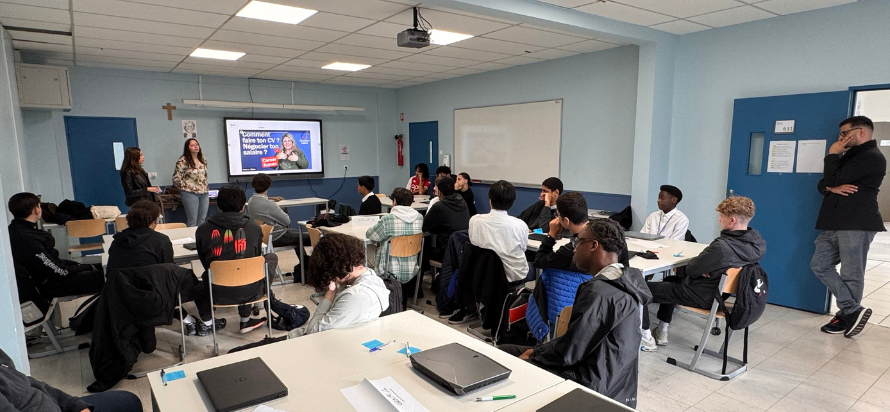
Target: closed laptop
x: 240, y: 385
x: 458, y: 368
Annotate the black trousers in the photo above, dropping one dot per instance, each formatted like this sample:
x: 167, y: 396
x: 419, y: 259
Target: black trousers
x: 291, y: 237
x: 671, y: 292
x: 514, y: 350
x: 88, y: 282
x: 225, y: 295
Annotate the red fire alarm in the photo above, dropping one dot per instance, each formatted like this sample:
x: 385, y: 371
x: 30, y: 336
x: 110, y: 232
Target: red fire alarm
x: 402, y: 117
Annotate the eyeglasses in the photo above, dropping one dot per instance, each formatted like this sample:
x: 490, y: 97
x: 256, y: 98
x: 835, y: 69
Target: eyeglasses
x: 844, y: 133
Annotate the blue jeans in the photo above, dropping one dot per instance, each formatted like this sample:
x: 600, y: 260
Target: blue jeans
x: 195, y: 205
x: 114, y: 401
x: 850, y: 249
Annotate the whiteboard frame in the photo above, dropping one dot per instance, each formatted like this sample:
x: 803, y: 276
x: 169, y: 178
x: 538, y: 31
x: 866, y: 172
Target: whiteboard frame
x: 524, y: 185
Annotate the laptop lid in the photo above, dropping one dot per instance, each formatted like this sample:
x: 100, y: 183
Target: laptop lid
x: 213, y: 194
x: 458, y: 368
x: 579, y: 400
x: 241, y: 384
x: 641, y: 235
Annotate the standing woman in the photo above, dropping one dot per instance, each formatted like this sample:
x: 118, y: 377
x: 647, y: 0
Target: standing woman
x: 134, y: 179
x: 190, y: 177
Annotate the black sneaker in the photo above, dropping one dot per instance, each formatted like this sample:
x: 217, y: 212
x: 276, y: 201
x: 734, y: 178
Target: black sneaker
x: 191, y: 329
x: 837, y: 325
x: 447, y: 313
x: 856, y: 322
x: 204, y: 330
x: 252, y: 324
x: 462, y: 316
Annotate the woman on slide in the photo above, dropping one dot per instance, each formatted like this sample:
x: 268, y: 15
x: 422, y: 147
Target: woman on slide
x: 190, y: 177
x: 289, y: 155
x: 134, y: 179
x: 420, y: 182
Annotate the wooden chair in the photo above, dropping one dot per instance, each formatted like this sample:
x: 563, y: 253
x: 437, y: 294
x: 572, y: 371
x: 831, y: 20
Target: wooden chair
x: 729, y: 283
x: 268, y: 248
x: 381, y: 195
x: 120, y: 223
x: 406, y: 246
x: 233, y: 273
x: 82, y: 229
x: 562, y: 322
x: 166, y: 226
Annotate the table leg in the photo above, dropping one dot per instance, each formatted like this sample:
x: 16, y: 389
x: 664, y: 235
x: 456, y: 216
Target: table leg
x: 302, y: 256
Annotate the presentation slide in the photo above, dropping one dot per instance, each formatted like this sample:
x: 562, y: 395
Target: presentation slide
x: 275, y: 147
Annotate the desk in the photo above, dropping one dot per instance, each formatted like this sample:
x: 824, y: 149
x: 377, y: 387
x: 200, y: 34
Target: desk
x: 309, y: 201
x: 542, y: 398
x: 315, y: 367
x: 180, y: 253
x: 598, y: 214
x: 419, y: 203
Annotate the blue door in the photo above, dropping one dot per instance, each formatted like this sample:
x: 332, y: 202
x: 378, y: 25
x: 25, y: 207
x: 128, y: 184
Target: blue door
x: 423, y: 146
x: 787, y: 203
x: 91, y: 148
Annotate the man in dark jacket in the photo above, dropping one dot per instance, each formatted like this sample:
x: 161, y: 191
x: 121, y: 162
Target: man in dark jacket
x: 447, y: 216
x: 599, y: 348
x: 229, y: 235
x: 370, y: 202
x: 34, y: 250
x: 572, y: 210
x: 849, y: 219
x: 20, y: 392
x: 139, y: 244
x: 737, y: 246
x: 540, y: 213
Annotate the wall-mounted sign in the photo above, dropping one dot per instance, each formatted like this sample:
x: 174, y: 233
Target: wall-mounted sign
x: 784, y: 127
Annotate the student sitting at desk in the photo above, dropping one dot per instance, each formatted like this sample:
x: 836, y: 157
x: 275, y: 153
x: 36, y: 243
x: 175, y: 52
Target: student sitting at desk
x: 402, y: 220
x: 352, y: 293
x: 540, y: 213
x: 444, y: 171
x: 35, y: 251
x: 139, y: 244
x: 261, y: 208
x: 572, y: 210
x: 599, y: 348
x: 668, y: 221
x: 449, y: 216
x: 462, y: 185
x: 737, y: 246
x: 420, y: 182
x: 370, y: 202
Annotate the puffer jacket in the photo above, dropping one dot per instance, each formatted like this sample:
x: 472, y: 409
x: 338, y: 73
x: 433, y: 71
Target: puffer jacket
x: 556, y: 291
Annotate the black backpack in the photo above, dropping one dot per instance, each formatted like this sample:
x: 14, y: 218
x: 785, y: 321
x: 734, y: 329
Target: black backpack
x: 751, y: 296
x: 395, y: 296
x: 289, y: 316
x: 513, y: 328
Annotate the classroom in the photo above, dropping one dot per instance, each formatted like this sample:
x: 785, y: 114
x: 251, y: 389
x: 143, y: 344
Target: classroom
x: 606, y: 156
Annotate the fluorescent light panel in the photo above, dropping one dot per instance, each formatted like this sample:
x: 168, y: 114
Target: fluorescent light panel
x: 216, y: 54
x: 275, y: 12
x: 349, y: 67
x: 442, y: 37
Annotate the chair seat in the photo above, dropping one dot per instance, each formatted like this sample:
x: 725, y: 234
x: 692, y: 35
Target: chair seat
x: 217, y: 305
x: 88, y: 246
x: 706, y: 312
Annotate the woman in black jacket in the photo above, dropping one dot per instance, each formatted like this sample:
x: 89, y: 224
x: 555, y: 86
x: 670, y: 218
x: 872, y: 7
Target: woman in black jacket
x: 134, y: 179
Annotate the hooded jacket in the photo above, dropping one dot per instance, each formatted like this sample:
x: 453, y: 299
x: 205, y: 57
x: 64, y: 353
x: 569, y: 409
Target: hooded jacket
x: 449, y: 215
x: 600, y: 349
x: 469, y: 198
x: 732, y: 249
x: 401, y: 221
x: 538, y: 216
x: 863, y: 166
x: 35, y: 250
x: 228, y: 236
x: 357, y: 303
x: 20, y: 392
x: 139, y: 247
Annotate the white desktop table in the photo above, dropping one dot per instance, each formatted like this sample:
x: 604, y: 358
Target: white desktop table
x: 315, y: 367
x: 421, y: 202
x: 542, y: 398
x: 180, y: 253
x: 309, y: 201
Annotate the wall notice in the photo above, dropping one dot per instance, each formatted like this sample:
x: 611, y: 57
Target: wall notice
x: 781, y: 156
x: 810, y: 156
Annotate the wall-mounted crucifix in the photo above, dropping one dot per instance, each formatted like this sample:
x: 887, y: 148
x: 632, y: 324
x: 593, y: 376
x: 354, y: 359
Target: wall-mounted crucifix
x: 169, y: 110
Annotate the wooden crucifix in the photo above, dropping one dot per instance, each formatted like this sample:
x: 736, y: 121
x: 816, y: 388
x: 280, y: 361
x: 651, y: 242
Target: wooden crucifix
x: 169, y: 110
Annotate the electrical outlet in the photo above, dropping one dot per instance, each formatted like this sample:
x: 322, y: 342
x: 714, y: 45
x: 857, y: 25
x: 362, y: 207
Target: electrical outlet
x: 152, y: 175
x: 345, y: 167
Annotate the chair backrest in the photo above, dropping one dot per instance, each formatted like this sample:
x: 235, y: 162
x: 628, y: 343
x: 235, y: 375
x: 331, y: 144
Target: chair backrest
x: 267, y: 230
x: 120, y: 223
x: 259, y: 222
x: 165, y: 226
x: 85, y: 228
x: 314, y: 235
x: 381, y: 195
x: 238, y: 272
x: 405, y: 246
x: 731, y: 285
x: 562, y: 323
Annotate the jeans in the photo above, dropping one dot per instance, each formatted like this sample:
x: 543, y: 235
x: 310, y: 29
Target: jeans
x: 195, y: 205
x: 114, y: 401
x: 850, y: 249
x: 670, y: 292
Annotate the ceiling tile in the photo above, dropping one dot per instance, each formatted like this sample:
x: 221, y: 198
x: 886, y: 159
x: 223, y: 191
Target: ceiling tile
x: 332, y: 57
x: 137, y: 47
x: 129, y: 36
x: 338, y: 22
x: 356, y: 82
x: 384, y: 29
x: 130, y: 54
x: 449, y: 21
x: 468, y: 14
x: 379, y: 76
x: 361, y: 51
x: 237, y: 64
x: 249, y: 57
x: 32, y: 24
x: 797, y: 6
x: 251, y: 49
x: 540, y: 38
x: 123, y: 66
x: 315, y: 69
x: 465, y: 71
x: 297, y: 77
x: 142, y: 26
x: 438, y: 61
x: 569, y: 33
x: 419, y: 67
x: 238, y: 37
x: 588, y: 46
x: 680, y: 27
x: 26, y: 12
x: 214, y: 6
x: 624, y: 13
x: 498, y: 46
x: 243, y: 24
x: 490, y: 66
x: 385, y: 43
x: 682, y: 8
x: 730, y: 17
x: 517, y: 60
x: 406, y: 71
x: 549, y: 54
x: 216, y: 70
x: 40, y: 37
x: 28, y: 45
x: 369, y: 9
x: 442, y: 76
x: 127, y: 61
x: 69, y: 55
x: 150, y: 12
x: 315, y: 64
x: 53, y: 4
x: 467, y: 54
x: 60, y: 62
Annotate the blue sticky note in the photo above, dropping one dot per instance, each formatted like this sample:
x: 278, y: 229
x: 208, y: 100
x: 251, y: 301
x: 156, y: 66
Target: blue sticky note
x: 539, y: 231
x: 413, y: 350
x: 371, y: 344
x: 172, y: 376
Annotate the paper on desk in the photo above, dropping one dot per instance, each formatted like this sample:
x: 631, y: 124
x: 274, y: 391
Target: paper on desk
x: 381, y: 395
x: 183, y: 241
x: 648, y: 244
x: 370, y: 220
x: 264, y: 408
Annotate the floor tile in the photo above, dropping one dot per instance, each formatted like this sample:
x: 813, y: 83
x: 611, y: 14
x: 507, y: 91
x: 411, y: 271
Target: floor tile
x: 651, y: 401
x: 759, y: 388
x: 723, y: 403
x: 793, y: 405
x: 821, y: 398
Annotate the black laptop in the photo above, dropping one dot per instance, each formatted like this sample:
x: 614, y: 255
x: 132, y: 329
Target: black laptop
x: 458, y: 368
x: 581, y: 401
x: 241, y: 385
x: 641, y: 235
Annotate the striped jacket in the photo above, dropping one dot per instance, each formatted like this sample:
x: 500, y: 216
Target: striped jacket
x: 401, y: 221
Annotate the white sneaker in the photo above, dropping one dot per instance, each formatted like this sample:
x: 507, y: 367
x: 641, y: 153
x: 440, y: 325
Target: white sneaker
x: 648, y: 345
x: 661, y: 336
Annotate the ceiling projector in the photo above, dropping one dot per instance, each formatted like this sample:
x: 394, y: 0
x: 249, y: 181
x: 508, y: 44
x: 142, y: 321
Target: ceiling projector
x: 413, y: 38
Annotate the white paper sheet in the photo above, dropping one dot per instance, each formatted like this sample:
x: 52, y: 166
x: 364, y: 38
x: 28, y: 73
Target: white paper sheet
x: 781, y: 156
x: 182, y: 241
x: 118, y: 149
x: 381, y: 395
x: 810, y: 156
x: 264, y: 408
x: 648, y: 244
x: 365, y: 220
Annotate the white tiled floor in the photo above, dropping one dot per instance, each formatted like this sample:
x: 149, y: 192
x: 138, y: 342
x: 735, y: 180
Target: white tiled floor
x: 793, y: 366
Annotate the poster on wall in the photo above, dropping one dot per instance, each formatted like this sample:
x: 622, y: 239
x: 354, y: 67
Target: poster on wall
x: 810, y: 156
x: 189, y: 129
x: 344, y: 152
x: 781, y: 156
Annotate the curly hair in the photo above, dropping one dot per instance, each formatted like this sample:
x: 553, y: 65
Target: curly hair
x: 739, y: 206
x: 142, y: 214
x: 334, y: 256
x: 610, y: 236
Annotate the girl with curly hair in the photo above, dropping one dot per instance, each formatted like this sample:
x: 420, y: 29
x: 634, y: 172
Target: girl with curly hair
x: 352, y: 293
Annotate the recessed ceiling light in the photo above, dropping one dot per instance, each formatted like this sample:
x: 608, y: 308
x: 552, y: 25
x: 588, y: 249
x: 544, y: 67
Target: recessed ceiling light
x: 216, y: 54
x: 349, y: 67
x: 275, y: 12
x: 442, y: 37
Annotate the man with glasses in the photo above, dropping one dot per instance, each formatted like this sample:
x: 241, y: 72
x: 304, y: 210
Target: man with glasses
x: 849, y: 219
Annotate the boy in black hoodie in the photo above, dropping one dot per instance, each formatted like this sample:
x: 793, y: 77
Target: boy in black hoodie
x: 448, y: 215
x: 229, y: 235
x: 737, y: 246
x: 139, y: 244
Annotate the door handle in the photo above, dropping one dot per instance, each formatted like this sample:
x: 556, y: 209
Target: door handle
x: 731, y: 194
x: 431, y: 152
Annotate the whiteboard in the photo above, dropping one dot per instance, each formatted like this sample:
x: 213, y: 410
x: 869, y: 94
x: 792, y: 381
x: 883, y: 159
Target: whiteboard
x: 516, y: 142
